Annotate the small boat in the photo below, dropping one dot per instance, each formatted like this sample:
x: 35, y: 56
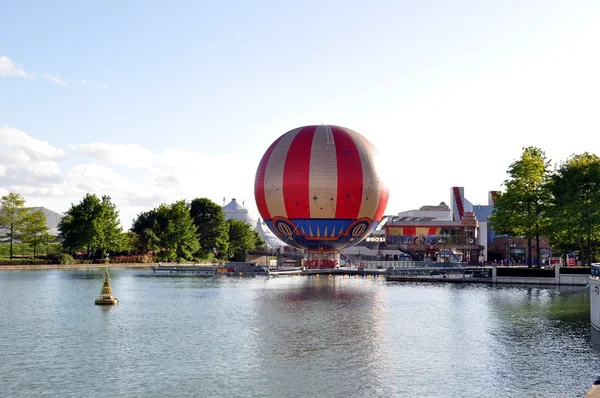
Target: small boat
x: 106, y: 297
x: 186, y: 269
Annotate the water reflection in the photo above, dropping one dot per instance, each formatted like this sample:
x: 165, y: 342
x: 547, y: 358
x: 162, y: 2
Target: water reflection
x: 595, y: 338
x: 311, y: 331
x: 536, y: 324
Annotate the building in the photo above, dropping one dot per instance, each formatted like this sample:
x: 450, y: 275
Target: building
x: 234, y: 210
x: 52, y: 219
x: 431, y: 233
x: 456, y: 233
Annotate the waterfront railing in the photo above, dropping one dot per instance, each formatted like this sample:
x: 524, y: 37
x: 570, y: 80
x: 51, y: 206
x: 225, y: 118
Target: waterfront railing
x: 407, y: 264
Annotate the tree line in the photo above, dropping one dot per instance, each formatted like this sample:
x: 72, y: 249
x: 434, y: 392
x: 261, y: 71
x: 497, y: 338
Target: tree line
x: 21, y: 224
x: 180, y: 231
x: 561, y: 203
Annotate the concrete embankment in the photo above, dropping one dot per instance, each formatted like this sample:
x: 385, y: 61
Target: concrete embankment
x: 482, y: 275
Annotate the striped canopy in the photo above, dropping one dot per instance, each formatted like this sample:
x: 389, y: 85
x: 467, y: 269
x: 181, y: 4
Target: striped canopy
x: 318, y: 188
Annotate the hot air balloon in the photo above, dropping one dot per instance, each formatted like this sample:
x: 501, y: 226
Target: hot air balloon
x: 318, y: 188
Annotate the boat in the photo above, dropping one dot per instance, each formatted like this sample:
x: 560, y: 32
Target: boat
x: 231, y: 269
x: 106, y: 297
x: 186, y: 269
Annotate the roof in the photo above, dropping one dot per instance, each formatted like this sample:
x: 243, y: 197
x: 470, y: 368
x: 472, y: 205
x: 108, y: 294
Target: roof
x: 233, y: 210
x: 52, y: 219
x: 233, y: 207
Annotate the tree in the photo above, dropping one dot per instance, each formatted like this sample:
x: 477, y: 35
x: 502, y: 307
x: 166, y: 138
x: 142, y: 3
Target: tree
x: 212, y: 228
x: 259, y: 242
x: 129, y: 241
x: 241, y: 239
x: 575, y: 206
x: 144, y: 227
x: 169, y: 229
x: 520, y: 210
x: 45, y: 240
x: 92, y: 225
x: 34, y: 229
x: 12, y: 217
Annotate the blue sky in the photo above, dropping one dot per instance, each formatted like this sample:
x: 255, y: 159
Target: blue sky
x: 152, y: 101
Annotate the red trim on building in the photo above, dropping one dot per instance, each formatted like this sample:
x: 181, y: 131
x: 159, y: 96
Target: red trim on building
x: 459, y: 203
x: 409, y: 231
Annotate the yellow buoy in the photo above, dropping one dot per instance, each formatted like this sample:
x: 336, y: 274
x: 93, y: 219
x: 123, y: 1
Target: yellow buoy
x: 106, y: 297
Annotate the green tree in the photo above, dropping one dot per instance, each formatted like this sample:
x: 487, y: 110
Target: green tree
x: 49, y: 247
x: 574, y: 210
x: 110, y: 234
x: 92, y: 225
x: 34, y: 230
x: 144, y: 227
x: 168, y: 229
x: 259, y: 242
x: 129, y: 242
x: 12, y: 217
x: 520, y: 209
x: 241, y: 239
x: 213, y: 231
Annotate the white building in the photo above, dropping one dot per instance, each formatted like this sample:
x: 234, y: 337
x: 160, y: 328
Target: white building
x: 234, y: 210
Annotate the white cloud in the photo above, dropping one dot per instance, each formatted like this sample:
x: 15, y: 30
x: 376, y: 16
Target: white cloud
x: 36, y: 149
x: 55, y: 79
x: 9, y: 69
x: 136, y: 178
x: 30, y: 167
x: 27, y: 160
x: 93, y: 177
x: 131, y: 155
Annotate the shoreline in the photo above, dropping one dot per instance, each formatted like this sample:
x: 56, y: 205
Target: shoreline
x: 73, y: 266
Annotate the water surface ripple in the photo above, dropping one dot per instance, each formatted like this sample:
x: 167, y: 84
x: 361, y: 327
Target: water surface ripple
x: 289, y: 337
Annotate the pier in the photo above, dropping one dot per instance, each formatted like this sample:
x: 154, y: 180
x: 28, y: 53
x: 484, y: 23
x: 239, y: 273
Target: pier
x: 402, y: 271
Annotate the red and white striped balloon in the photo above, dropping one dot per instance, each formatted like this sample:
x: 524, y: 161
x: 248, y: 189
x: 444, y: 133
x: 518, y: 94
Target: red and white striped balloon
x: 320, y: 173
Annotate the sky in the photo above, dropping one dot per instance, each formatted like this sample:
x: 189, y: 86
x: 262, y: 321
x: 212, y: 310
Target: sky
x: 151, y: 102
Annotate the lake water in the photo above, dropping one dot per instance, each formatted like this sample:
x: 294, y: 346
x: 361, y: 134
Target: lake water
x: 289, y: 337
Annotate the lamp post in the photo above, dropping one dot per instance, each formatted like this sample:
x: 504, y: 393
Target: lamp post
x: 508, y: 251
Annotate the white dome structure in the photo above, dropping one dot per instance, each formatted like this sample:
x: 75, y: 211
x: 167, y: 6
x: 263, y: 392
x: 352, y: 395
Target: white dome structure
x: 236, y: 211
